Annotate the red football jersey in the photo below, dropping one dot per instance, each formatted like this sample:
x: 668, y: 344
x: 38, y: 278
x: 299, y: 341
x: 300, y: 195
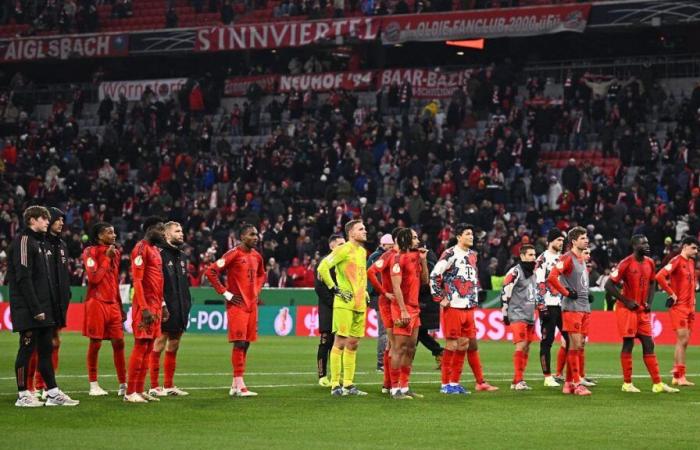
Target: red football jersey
x: 408, y: 266
x: 381, y: 266
x: 102, y: 274
x: 681, y: 272
x: 147, y: 275
x: 245, y: 275
x: 635, y: 277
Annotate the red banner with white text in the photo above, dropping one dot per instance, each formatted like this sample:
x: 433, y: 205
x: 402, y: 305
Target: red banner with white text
x: 285, y: 34
x: 64, y: 47
x: 426, y: 83
x: 238, y: 86
x: 489, y: 23
x: 324, y: 82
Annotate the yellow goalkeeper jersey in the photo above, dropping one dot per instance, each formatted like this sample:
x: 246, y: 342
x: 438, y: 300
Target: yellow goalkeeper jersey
x: 350, y: 262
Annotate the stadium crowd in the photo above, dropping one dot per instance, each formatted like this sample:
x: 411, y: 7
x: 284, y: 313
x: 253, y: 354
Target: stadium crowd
x: 397, y: 162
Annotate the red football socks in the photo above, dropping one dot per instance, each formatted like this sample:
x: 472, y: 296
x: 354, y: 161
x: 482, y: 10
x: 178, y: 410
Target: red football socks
x: 678, y: 371
x: 138, y: 364
x: 238, y: 361
x: 92, y: 355
x: 395, y: 374
x: 626, y: 362
x: 169, y: 365
x: 446, y: 367
x: 119, y: 360
x: 475, y: 364
x: 457, y: 366
x: 154, y: 367
x: 387, y: 368
x: 518, y: 359
x: 404, y: 376
x: 582, y: 362
x: 561, y: 360
x: 572, y: 360
x: 653, y: 367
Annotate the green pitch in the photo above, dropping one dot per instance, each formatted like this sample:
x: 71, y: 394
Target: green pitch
x: 292, y: 411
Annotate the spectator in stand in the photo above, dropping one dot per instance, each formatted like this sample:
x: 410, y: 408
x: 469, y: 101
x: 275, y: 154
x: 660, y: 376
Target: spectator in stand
x: 171, y: 19
x: 227, y: 12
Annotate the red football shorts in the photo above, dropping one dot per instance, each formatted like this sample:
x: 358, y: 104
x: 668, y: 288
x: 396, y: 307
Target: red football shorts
x: 141, y: 331
x: 523, y: 332
x: 413, y: 324
x: 242, y: 324
x: 632, y: 323
x: 576, y: 322
x: 103, y: 320
x: 458, y: 322
x: 682, y: 316
x: 385, y: 313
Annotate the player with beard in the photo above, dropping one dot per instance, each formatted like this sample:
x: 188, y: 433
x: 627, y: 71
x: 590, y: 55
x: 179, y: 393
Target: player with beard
x: 176, y: 288
x: 633, y: 311
x: 551, y: 321
x: 148, y: 308
x: 349, y: 305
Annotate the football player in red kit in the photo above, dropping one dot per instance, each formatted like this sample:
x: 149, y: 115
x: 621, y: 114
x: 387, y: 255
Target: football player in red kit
x: 103, y: 307
x: 409, y: 269
x: 633, y: 311
x: 681, y: 289
x: 147, y: 309
x: 245, y: 276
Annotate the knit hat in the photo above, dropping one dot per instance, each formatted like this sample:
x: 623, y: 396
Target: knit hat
x: 55, y: 214
x: 386, y: 240
x: 553, y: 234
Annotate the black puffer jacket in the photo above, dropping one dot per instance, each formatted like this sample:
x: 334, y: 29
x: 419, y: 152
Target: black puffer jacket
x: 57, y: 253
x: 31, y: 290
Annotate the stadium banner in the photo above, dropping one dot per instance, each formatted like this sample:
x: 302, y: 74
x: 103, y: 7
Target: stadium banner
x: 64, y: 47
x: 303, y: 321
x: 329, y: 81
x: 162, y: 41
x: 238, y: 86
x: 489, y: 23
x: 644, y: 13
x: 133, y: 89
x: 426, y: 83
x: 307, y: 297
x: 285, y: 34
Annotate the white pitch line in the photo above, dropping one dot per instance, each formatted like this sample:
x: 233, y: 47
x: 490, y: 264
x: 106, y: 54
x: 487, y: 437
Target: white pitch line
x: 221, y: 374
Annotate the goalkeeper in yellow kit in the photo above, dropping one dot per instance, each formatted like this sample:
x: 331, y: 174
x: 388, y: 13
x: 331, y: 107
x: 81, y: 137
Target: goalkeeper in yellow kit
x: 349, y: 304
